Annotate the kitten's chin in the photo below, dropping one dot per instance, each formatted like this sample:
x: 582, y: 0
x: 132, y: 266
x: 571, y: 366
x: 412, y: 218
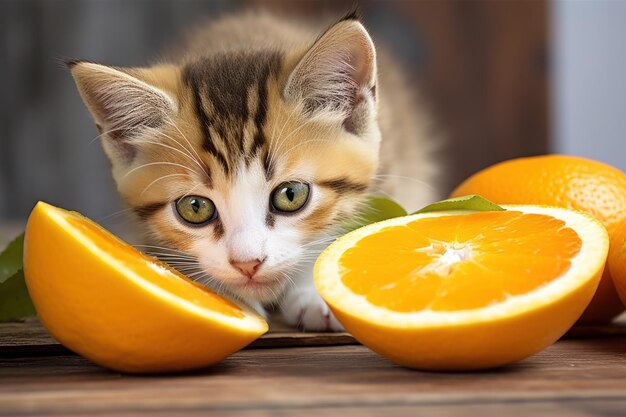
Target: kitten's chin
x: 254, y: 290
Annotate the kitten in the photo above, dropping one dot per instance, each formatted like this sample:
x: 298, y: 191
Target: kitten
x: 244, y: 154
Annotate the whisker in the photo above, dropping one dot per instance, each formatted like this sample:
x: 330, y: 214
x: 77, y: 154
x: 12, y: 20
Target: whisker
x: 159, y: 179
x: 195, y: 274
x: 190, y: 190
x: 165, y: 248
x: 180, y: 262
x: 185, y: 154
x: 376, y: 190
x: 380, y: 177
x: 199, y: 159
x: 296, y: 130
x: 205, y: 280
x: 171, y: 260
x: 117, y: 213
x: 183, y: 263
x: 106, y: 132
x: 173, y: 255
x: 321, y: 241
x: 297, y: 145
x: 274, y: 149
x: 317, y: 138
x: 157, y: 163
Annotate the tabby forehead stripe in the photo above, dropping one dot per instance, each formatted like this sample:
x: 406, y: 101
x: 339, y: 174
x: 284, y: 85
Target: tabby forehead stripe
x: 260, y: 116
x: 344, y: 185
x: 208, y: 181
x: 207, y: 143
x: 220, y: 132
x: 248, y: 130
x: 148, y: 210
x: 268, y: 166
x: 222, y: 84
x: 223, y: 102
x: 257, y: 143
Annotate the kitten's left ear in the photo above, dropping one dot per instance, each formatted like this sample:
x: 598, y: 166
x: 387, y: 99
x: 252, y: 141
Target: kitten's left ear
x: 338, y: 75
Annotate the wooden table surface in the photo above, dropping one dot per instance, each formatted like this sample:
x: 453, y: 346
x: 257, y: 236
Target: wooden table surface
x: 316, y: 374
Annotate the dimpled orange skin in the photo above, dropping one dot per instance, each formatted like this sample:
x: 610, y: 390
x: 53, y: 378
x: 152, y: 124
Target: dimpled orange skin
x: 617, y: 260
x: 563, y: 181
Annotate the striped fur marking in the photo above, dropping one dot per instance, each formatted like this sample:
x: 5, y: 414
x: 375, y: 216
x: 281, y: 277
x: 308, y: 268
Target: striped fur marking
x: 222, y: 86
x: 148, y: 210
x: 268, y: 166
x: 260, y: 116
x: 218, y: 229
x: 344, y: 185
x: 207, y: 143
x: 270, y: 220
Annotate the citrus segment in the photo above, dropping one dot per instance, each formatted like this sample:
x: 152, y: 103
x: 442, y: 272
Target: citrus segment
x: 105, y: 300
x: 464, y: 290
x: 459, y: 267
x: 564, y: 181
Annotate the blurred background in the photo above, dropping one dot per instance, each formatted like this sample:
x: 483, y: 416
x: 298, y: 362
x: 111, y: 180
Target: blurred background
x: 503, y: 79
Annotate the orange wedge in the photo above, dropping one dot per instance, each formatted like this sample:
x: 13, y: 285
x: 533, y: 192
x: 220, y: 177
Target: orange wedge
x: 105, y: 300
x: 464, y: 290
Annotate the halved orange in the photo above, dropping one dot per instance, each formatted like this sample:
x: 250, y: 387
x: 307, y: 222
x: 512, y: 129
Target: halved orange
x: 105, y: 300
x: 464, y: 290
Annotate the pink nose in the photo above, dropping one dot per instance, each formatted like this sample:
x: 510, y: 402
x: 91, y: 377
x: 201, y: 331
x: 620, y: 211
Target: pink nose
x: 248, y: 268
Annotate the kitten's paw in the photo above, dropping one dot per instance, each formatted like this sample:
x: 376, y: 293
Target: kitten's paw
x: 308, y: 311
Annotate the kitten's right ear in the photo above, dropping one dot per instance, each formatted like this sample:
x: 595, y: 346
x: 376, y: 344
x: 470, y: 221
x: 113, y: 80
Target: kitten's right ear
x: 122, y: 104
x: 338, y: 75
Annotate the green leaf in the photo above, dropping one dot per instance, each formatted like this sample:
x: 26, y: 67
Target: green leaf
x: 472, y: 202
x: 11, y: 258
x: 376, y: 209
x: 15, y: 302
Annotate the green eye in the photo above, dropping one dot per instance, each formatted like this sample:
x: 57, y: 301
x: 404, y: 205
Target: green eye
x: 290, y: 196
x: 196, y: 210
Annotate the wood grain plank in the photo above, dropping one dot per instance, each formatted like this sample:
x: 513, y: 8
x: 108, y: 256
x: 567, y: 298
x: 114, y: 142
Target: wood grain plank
x: 30, y: 338
x: 574, y: 375
x: 609, y: 407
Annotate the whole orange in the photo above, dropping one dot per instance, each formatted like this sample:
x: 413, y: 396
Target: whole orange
x: 564, y: 181
x: 617, y: 260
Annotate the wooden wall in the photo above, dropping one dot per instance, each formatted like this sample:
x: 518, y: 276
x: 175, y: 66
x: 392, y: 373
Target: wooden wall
x: 481, y: 64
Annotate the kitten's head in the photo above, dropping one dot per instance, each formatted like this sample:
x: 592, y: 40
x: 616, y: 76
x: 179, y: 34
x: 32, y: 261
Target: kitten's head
x: 242, y: 160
